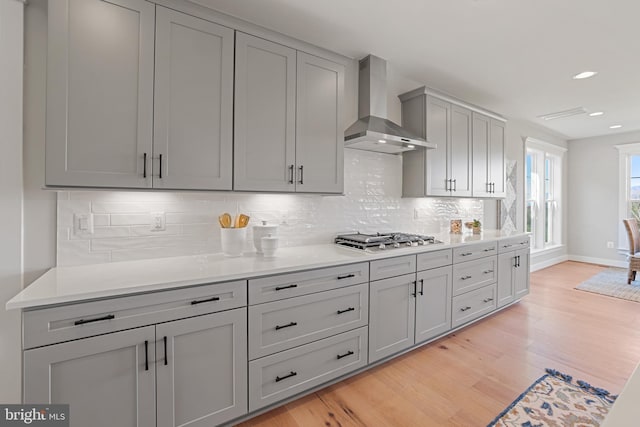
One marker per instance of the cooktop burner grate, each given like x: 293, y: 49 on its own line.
x: 383, y: 241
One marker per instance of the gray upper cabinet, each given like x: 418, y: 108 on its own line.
x: 288, y: 119
x: 99, y: 92
x: 108, y: 380
x: 193, y: 103
x: 445, y: 170
x: 319, y: 125
x: 265, y: 115
x: 488, y: 156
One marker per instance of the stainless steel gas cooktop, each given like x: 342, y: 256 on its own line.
x: 383, y: 241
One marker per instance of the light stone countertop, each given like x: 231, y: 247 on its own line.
x: 63, y: 285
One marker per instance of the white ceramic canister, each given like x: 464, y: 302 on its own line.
x: 232, y: 241
x: 260, y: 231
x: 269, y: 245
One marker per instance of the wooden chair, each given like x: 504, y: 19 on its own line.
x: 633, y: 232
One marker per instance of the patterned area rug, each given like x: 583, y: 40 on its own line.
x: 556, y: 400
x: 612, y: 282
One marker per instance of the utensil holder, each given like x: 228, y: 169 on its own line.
x: 232, y: 241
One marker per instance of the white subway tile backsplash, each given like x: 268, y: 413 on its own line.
x: 372, y: 202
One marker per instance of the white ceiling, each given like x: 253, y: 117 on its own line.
x: 515, y: 57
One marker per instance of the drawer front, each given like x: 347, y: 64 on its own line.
x: 472, y: 305
x: 435, y: 259
x: 280, y: 325
x: 475, y: 251
x: 274, y: 288
x: 513, y: 244
x: 392, y: 267
x: 64, y: 323
x: 471, y: 275
x: 285, y: 374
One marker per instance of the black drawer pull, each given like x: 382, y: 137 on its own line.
x: 279, y: 288
x: 466, y: 254
x: 346, y: 310
x: 146, y: 355
x: 465, y: 278
x: 166, y: 356
x: 487, y: 300
x: 506, y: 246
x: 490, y: 249
x: 278, y: 327
x: 97, y: 319
x: 212, y: 299
x: 292, y: 374
x: 348, y: 353
x: 487, y: 271
x: 346, y: 276
x: 465, y: 308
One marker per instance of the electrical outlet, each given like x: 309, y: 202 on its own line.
x: 158, y: 221
x: 609, y: 245
x: 83, y: 223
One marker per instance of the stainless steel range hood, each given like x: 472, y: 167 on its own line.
x: 373, y: 131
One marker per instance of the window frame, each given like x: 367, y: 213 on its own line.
x: 625, y: 152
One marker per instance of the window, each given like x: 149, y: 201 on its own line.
x: 543, y: 187
x: 629, y: 192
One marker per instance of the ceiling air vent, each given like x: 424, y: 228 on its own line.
x: 566, y: 113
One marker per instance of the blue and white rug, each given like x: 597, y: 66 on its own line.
x: 612, y: 282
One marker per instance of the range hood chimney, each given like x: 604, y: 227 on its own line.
x: 373, y: 131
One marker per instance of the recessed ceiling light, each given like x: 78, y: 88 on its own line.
x: 596, y: 113
x: 382, y: 141
x: 615, y: 126
x: 585, y: 75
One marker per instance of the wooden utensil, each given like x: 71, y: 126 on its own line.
x: 225, y: 220
x: 241, y: 221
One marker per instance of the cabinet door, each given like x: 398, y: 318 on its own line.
x: 99, y: 93
x: 433, y: 303
x: 521, y: 276
x: 497, y: 169
x: 202, y: 369
x: 107, y: 380
x: 438, y: 174
x: 192, y: 144
x: 391, y: 316
x: 319, y: 125
x: 460, y: 152
x: 481, y: 177
x: 265, y: 115
x: 506, y: 275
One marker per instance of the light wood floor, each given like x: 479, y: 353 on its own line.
x: 468, y: 377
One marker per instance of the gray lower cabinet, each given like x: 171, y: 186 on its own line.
x: 521, y: 285
x: 433, y: 308
x: 195, y: 368
x: 472, y: 305
x: 392, y: 315
x: 513, y: 271
x: 108, y: 380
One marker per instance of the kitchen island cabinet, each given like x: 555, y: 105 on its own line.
x: 513, y: 270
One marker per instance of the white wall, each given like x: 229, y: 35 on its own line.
x: 593, y: 198
x: 11, y: 42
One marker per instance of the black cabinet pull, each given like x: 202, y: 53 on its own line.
x: 489, y: 249
x: 97, y: 319
x: 301, y: 174
x: 447, y: 185
x: 166, y: 356
x: 348, y: 353
x: 291, y: 174
x: 346, y: 276
x: 292, y: 374
x: 517, y: 259
x: 421, y: 286
x: 279, y: 288
x: 146, y: 355
x: 160, y: 171
x: 346, y: 310
x: 415, y: 288
x: 465, y: 308
x: 466, y: 254
x: 194, y: 302
x: 455, y: 185
x: 487, y: 271
x: 487, y: 300
x: 278, y: 327
x: 144, y: 165
x: 465, y: 278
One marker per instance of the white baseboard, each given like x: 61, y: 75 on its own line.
x: 600, y: 261
x: 548, y: 263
